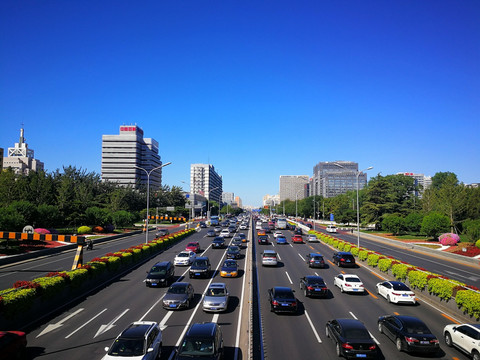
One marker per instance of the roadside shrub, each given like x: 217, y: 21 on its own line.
x: 363, y: 255
x: 347, y: 247
x: 384, y: 264
x: 18, y: 301
x: 418, y: 279
x: 341, y: 246
x: 335, y: 244
x: 78, y: 277
x: 51, y: 286
x: 84, y: 230
x: 469, y: 302
x: 400, y: 271
x: 372, y: 259
x: 354, y: 250
x: 449, y: 239
x: 98, y: 229
x: 477, y: 244
x: 443, y: 288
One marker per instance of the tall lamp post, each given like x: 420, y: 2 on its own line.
x: 192, y: 202
x: 148, y: 193
x: 358, y: 207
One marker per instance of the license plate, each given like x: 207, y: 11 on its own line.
x: 197, y: 274
x: 404, y: 295
x: 213, y: 308
x: 355, y: 289
x: 173, y: 305
x: 153, y: 284
x: 228, y: 274
x: 361, y: 355
x: 424, y: 342
x: 284, y: 304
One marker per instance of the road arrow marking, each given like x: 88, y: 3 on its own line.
x: 111, y: 324
x: 51, y: 327
x: 88, y: 322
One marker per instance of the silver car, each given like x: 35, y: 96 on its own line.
x: 179, y: 295
x: 216, y: 298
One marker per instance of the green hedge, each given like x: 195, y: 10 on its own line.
x: 384, y: 264
x: 418, y: 279
x: 373, y: 259
x: 469, y: 302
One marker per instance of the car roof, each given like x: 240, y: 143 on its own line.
x: 344, y: 253
x: 201, y: 330
x: 162, y: 263
x: 315, y: 254
x: 218, y: 285
x: 407, y: 319
x: 313, y: 277
x: 351, y: 323
x: 180, y: 284
x: 202, y: 258
x: 136, y: 330
x: 350, y: 275
x: 282, y: 289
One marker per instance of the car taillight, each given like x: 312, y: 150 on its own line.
x: 396, y: 294
x: 372, y: 347
x: 361, y: 285
x: 310, y: 288
x: 347, y: 284
x: 347, y: 346
x: 274, y: 302
x: 411, y: 339
x: 434, y: 341
x: 342, y: 259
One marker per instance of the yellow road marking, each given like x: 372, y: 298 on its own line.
x: 451, y: 319
x: 330, y: 262
x: 371, y: 294
x: 381, y: 278
x: 396, y: 313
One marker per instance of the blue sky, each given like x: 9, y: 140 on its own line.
x: 257, y: 88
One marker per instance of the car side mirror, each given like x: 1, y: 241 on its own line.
x: 106, y: 348
x: 149, y: 350
x: 454, y: 328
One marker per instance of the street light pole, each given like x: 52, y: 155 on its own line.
x: 148, y: 193
x: 358, y: 208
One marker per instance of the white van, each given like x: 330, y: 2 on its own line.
x: 269, y: 257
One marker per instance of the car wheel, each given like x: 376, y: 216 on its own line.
x: 341, y: 288
x: 380, y: 328
x: 338, y: 351
x: 378, y: 291
x: 388, y: 299
x: 187, y: 304
x: 326, y: 332
x: 399, y: 345
x: 448, y: 339
x: 305, y: 292
x: 476, y: 356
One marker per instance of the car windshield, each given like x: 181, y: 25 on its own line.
x: 400, y: 286
x: 315, y: 282
x: 416, y: 328
x: 356, y: 334
x: 177, y: 290
x: 283, y: 294
x: 201, y: 263
x: 183, y: 255
x: 157, y: 270
x: 216, y: 292
x: 232, y: 248
x: 317, y: 257
x: 230, y: 264
x: 352, y: 279
x: 192, y: 245
x: 127, y: 347
x: 196, y: 347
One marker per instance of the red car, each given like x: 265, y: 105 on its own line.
x: 12, y: 345
x: 297, y: 239
x: 193, y: 246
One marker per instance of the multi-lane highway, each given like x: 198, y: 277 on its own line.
x: 90, y: 324
x: 87, y: 328
x: 303, y: 335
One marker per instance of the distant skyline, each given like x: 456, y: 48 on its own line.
x: 257, y: 89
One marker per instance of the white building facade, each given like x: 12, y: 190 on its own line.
x: 293, y: 187
x: 204, y: 180
x: 122, y: 155
x: 22, y: 159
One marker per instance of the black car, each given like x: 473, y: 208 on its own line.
x: 202, y: 224
x: 237, y: 241
x: 161, y: 274
x: 282, y: 299
x: 297, y: 231
x: 344, y: 259
x: 233, y: 252
x: 211, y: 233
x: 201, y: 341
x: 409, y: 333
x: 218, y: 242
x: 262, y: 239
x: 315, y: 260
x: 161, y: 232
x: 200, y: 268
x: 351, y: 338
x: 313, y: 286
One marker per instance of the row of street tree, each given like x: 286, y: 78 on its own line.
x: 392, y: 203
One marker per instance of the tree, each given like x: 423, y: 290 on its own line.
x: 97, y: 216
x: 413, y: 222
x: 122, y: 218
x: 48, y: 216
x: 393, y: 223
x: 434, y: 224
x: 439, y: 179
x: 471, y: 228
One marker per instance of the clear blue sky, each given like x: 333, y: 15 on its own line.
x: 257, y: 88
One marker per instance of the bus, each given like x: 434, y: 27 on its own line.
x: 281, y: 224
x: 214, y: 220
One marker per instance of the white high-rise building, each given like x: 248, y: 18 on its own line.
x: 334, y: 178
x: 420, y: 180
x: 121, y: 153
x: 271, y: 200
x: 22, y: 159
x: 293, y: 187
x: 205, y: 181
x: 228, y: 198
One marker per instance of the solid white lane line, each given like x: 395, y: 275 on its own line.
x: 279, y: 258
x: 240, y: 312
x: 165, y: 319
x: 313, y: 327
x: 301, y: 257
x: 151, y: 308
x: 376, y: 341
x: 101, y: 312
x: 289, y: 278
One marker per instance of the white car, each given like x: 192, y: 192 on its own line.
x: 225, y: 233
x: 276, y: 233
x: 312, y: 238
x: 349, y: 283
x: 331, y: 229
x: 184, y: 258
x: 465, y: 337
x: 243, y: 227
x: 396, y: 292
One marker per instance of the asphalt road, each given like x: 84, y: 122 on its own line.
x: 87, y: 328
x: 303, y: 335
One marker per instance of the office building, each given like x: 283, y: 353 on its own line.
x: 20, y: 158
x: 238, y: 200
x: 293, y: 187
x: 271, y: 200
x: 421, y: 182
x: 334, y: 178
x: 205, y: 181
x: 228, y: 198
x: 122, y: 155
